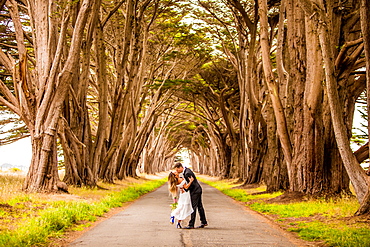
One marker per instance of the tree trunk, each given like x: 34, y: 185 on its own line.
x: 76, y: 129
x: 41, y: 90
x: 275, y: 174
x: 295, y: 61
x: 325, y: 27
x: 41, y: 177
x: 273, y: 89
x: 365, y: 27
x: 103, y: 92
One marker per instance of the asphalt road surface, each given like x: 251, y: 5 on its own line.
x: 146, y: 223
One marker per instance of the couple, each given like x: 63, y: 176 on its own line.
x: 182, y: 181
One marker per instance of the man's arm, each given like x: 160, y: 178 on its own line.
x: 187, y: 174
x: 187, y: 185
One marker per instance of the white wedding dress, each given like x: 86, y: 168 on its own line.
x: 184, y: 208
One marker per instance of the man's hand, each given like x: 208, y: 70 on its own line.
x: 182, y: 190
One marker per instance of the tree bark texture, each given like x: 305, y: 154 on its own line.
x: 326, y: 27
x: 270, y: 79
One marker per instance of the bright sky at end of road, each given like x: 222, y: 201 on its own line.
x: 18, y: 153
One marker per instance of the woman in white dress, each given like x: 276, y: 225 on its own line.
x: 176, y: 186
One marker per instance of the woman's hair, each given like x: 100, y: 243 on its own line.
x: 172, y: 182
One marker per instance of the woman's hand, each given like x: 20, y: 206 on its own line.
x: 191, y: 179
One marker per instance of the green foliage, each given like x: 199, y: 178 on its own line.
x: 54, y: 220
x: 360, y: 135
x: 12, y: 128
x: 178, y: 159
x: 168, y: 84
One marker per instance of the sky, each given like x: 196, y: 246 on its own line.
x: 17, y: 154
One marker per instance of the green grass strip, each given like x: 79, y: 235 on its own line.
x: 238, y: 194
x: 332, y: 230
x: 328, y: 209
x: 53, y: 221
x: 333, y: 234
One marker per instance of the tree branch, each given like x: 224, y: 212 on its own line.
x: 111, y: 13
x: 10, y: 106
x: 8, y: 94
x: 362, y: 153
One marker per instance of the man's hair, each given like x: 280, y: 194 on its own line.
x: 177, y: 165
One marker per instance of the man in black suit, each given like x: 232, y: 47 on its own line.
x: 195, y: 195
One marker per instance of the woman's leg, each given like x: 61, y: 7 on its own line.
x: 178, y: 224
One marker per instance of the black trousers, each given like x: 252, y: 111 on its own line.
x: 196, y: 203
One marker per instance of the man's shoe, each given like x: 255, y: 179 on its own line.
x: 202, y: 225
x: 189, y: 227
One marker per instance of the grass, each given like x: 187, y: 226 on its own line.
x: 334, y: 234
x: 243, y: 195
x: 329, y: 209
x: 32, y: 219
x: 10, y: 185
x: 327, y: 221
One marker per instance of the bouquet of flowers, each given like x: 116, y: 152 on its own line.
x: 174, y: 204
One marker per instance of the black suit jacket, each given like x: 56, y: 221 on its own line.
x: 195, y: 186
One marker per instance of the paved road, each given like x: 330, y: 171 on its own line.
x: 146, y: 223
